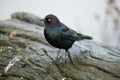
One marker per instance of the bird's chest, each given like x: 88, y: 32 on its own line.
x: 51, y: 34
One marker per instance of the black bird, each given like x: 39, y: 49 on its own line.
x: 59, y: 35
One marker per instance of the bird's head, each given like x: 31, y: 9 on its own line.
x: 51, y: 20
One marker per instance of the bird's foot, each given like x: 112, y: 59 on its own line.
x: 61, y: 59
x: 57, y: 60
x: 64, y: 60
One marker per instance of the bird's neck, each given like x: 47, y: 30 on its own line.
x: 52, y: 25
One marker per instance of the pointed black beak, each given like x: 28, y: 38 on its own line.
x: 42, y: 19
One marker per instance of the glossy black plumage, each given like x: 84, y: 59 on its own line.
x: 59, y: 35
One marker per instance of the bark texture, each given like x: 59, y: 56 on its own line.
x: 26, y: 55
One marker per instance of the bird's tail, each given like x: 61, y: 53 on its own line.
x: 84, y: 37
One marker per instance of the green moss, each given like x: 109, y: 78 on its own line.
x: 14, y: 16
x: 5, y: 42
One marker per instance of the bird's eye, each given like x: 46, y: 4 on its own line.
x: 49, y: 20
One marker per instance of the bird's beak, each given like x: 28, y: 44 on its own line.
x: 42, y: 19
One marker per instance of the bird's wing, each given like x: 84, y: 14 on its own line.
x: 67, y: 33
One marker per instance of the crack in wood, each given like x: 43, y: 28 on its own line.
x: 101, y: 69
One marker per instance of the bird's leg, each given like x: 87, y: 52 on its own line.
x: 58, y: 54
x: 65, y: 58
x: 69, y: 57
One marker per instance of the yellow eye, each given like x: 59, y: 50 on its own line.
x: 49, y: 19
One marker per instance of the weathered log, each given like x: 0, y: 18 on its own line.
x: 27, y: 17
x: 26, y: 55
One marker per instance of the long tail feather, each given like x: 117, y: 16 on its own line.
x: 84, y: 37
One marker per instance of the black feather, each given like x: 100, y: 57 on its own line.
x: 59, y: 35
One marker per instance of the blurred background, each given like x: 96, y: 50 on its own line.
x: 97, y: 18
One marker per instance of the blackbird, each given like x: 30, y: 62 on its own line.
x: 59, y: 35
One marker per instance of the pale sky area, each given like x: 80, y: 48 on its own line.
x: 76, y: 14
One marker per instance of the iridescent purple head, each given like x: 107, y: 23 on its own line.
x: 51, y: 20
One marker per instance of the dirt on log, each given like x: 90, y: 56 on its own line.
x: 26, y: 55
